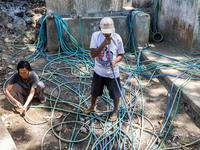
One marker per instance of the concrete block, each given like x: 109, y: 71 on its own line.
x: 52, y: 35
x: 141, y: 25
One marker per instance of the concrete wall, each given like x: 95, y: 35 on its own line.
x: 88, y: 26
x: 179, y: 23
x: 142, y: 3
x: 87, y: 8
x: 92, y: 12
x: 91, y: 24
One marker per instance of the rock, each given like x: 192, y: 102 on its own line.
x: 21, y: 29
x: 3, y: 16
x: 29, y: 20
x: 2, y: 68
x: 83, y: 130
x: 59, y: 116
x: 46, y: 144
x: 31, y: 37
x: 7, y: 40
x: 30, y: 13
x: 7, y: 63
x: 169, y: 141
x: 25, y: 5
x: 13, y: 62
x: 19, y: 14
x: 10, y: 66
x: 10, y: 26
x: 81, y: 119
x: 58, y: 128
x: 41, y: 10
x: 12, y: 31
x: 173, y: 144
x: 87, y: 118
x: 10, y: 73
x: 10, y: 19
x: 20, y: 23
x: 37, y: 17
x: 25, y: 41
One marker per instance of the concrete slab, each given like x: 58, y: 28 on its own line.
x: 6, y: 141
x: 190, y: 93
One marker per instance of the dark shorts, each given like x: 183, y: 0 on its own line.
x: 98, y: 83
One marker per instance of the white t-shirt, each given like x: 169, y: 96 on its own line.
x: 102, y: 62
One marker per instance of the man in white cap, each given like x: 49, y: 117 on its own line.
x: 104, y: 41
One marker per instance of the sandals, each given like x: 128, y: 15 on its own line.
x: 87, y: 111
x: 112, y: 119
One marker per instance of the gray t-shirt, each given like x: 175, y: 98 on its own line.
x: 27, y: 84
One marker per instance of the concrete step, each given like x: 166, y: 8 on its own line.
x: 6, y: 141
x: 190, y: 93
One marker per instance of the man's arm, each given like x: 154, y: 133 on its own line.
x: 7, y: 93
x: 96, y: 51
x: 118, y: 59
x: 29, y: 99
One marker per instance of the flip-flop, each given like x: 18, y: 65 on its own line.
x: 88, y: 111
x: 112, y: 119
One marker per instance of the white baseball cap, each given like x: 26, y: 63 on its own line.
x: 107, y: 25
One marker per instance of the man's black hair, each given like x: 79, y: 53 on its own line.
x: 24, y: 64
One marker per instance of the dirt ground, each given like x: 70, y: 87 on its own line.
x: 32, y: 131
